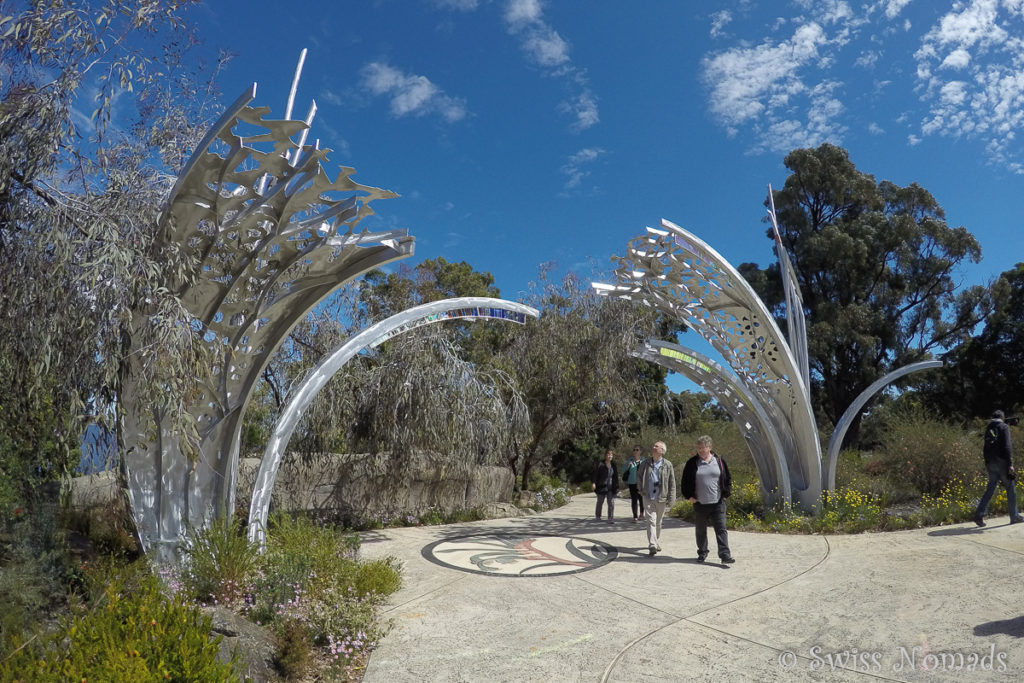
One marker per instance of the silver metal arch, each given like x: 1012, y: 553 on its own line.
x: 272, y: 236
x: 677, y: 272
x: 836, y: 442
x: 754, y: 423
x: 461, y: 308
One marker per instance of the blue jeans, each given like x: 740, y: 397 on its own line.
x: 998, y: 471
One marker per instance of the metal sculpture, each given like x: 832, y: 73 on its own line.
x: 272, y: 236
x: 836, y: 442
x: 676, y: 272
x: 750, y: 416
x: 463, y: 308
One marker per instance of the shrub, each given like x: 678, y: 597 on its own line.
x: 929, y: 455
x: 294, y: 649
x: 549, y: 498
x: 131, y: 632
x: 219, y: 562
x: 312, y: 589
x: 847, y: 511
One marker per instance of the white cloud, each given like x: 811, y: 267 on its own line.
x: 544, y: 47
x: 957, y: 59
x: 520, y: 13
x: 718, y: 22
x: 875, y: 129
x: 574, y: 169
x: 458, y: 5
x: 584, y: 108
x: 894, y: 7
x: 411, y: 94
x: 981, y: 42
x: 867, y: 59
x: 745, y: 81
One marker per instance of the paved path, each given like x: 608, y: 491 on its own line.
x: 944, y: 598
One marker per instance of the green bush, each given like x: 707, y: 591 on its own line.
x: 131, y: 632
x: 219, y: 562
x: 37, y: 572
x: 929, y: 455
x: 311, y: 574
x: 294, y: 654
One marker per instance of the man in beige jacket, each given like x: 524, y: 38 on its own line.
x: 657, y: 483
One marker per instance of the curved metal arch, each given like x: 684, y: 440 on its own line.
x: 271, y: 239
x: 754, y: 423
x: 461, y: 308
x: 678, y: 273
x: 836, y: 442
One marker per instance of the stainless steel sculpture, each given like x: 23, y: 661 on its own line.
x: 676, y: 272
x: 272, y: 236
x: 835, y: 444
x: 462, y: 308
x: 750, y: 416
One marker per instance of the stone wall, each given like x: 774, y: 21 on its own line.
x: 354, y: 487
x: 358, y: 486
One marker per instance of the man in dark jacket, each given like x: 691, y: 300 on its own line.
x: 706, y: 483
x: 999, y: 463
x: 606, y: 485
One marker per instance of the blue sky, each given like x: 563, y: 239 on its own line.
x: 520, y: 131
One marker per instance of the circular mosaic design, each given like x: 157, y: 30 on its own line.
x: 520, y: 554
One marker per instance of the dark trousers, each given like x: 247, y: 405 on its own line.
x: 635, y: 500
x: 715, y: 514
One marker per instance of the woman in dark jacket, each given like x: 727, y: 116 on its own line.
x: 606, y: 485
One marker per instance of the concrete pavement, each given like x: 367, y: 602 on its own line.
x: 489, y: 601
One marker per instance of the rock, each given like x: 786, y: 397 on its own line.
x: 500, y: 510
x: 255, y: 645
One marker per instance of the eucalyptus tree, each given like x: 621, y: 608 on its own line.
x: 420, y: 392
x: 574, y: 368
x: 79, y: 196
x: 877, y: 266
x: 985, y: 372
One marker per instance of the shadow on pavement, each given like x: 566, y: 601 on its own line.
x: 1011, y: 627
x: 965, y: 531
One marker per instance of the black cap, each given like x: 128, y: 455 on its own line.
x: 998, y: 415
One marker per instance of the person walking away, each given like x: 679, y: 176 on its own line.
x: 706, y: 483
x: 998, y: 453
x: 629, y: 473
x: 606, y: 485
x: 657, y: 482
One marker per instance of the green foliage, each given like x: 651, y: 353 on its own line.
x: 37, y: 573
x: 574, y: 369
x: 38, y: 436
x: 219, y: 562
x: 77, y: 214
x: 294, y: 654
x: 549, y: 497
x: 876, y: 265
x: 985, y: 372
x: 929, y: 473
x: 131, y: 632
x: 929, y: 455
x: 311, y: 574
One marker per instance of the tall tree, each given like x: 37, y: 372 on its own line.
x: 78, y: 209
x: 876, y: 264
x: 574, y: 368
x: 985, y: 373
